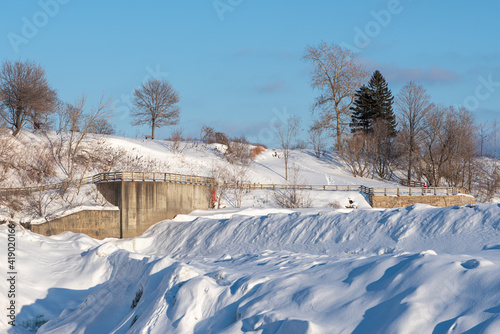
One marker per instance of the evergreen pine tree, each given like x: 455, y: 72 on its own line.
x: 373, y: 102
x: 362, y: 111
x: 382, y: 101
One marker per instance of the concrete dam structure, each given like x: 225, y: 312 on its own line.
x: 143, y: 199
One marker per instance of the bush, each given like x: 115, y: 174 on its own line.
x: 176, y: 138
x: 293, y: 197
x: 207, y: 134
x: 335, y: 205
x: 238, y: 152
x: 256, y: 151
x: 221, y: 138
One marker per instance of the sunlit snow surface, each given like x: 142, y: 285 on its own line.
x: 413, y: 270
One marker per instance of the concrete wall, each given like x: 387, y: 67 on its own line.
x: 143, y: 204
x: 97, y: 224
x: 403, y: 201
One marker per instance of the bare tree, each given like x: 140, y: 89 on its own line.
x: 491, y: 177
x: 460, y: 168
x: 39, y: 202
x: 413, y: 104
x: 337, y: 75
x: 239, y: 176
x: 482, y: 135
x: 317, y: 137
x: 354, y: 153
x: 207, y: 134
x: 296, y: 131
x: 382, y: 149
x: 285, y: 133
x: 72, y: 150
x: 221, y: 138
x: 221, y: 174
x: 238, y: 152
x: 25, y: 94
x: 435, y: 144
x: 102, y: 126
x: 175, y: 140
x: 230, y: 180
x: 293, y: 196
x: 61, y: 117
x: 107, y: 158
x: 7, y: 155
x: 155, y: 105
x: 448, y: 146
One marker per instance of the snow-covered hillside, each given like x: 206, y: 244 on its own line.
x: 42, y: 155
x: 258, y: 269
x: 267, y: 167
x: 414, y: 270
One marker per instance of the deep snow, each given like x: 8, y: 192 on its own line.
x: 413, y: 270
x: 261, y: 269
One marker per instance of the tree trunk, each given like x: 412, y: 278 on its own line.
x: 18, y: 123
x: 286, y: 169
x: 410, y: 157
x: 153, y: 132
x: 339, y: 143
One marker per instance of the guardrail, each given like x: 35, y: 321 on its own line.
x: 153, y: 176
x: 319, y: 187
x: 416, y: 191
x: 409, y: 183
x: 113, y: 177
x: 375, y: 191
x: 201, y: 180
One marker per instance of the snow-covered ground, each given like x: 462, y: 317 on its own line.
x: 267, y: 167
x: 259, y: 268
x: 419, y: 269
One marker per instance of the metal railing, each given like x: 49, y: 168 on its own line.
x: 319, y: 187
x: 416, y: 191
x: 113, y: 177
x: 374, y: 191
x: 409, y: 183
x: 201, y: 180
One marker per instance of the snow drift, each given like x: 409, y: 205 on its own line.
x: 413, y: 270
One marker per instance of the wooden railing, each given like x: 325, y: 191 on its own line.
x: 201, y: 180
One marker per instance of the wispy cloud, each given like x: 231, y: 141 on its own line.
x: 397, y: 74
x: 272, y: 86
x: 282, y: 54
x: 244, y: 52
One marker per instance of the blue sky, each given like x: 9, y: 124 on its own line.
x: 237, y: 63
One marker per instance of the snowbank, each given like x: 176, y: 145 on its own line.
x: 416, y: 270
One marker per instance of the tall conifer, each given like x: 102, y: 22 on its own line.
x: 373, y: 102
x: 362, y: 111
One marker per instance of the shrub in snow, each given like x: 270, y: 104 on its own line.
x: 335, y: 205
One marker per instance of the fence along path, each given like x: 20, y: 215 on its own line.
x: 375, y: 191
x: 113, y: 177
x: 201, y: 180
